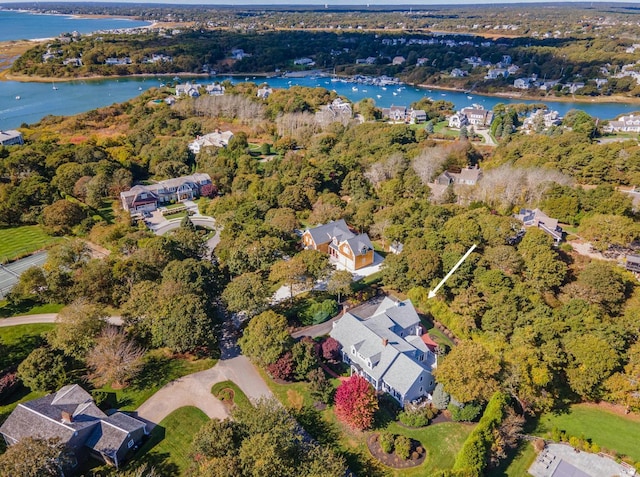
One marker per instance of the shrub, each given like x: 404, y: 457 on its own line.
x: 473, y: 455
x: 402, y: 445
x: 386, y: 441
x: 282, y: 368
x: 466, y: 413
x: 419, y: 417
x: 318, y: 312
x: 331, y: 349
x: 440, y: 397
x: 8, y: 383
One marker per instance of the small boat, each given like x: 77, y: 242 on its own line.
x: 469, y: 97
x: 443, y: 94
x: 139, y: 88
x: 354, y: 88
x: 378, y: 96
x: 364, y: 91
x: 395, y: 94
x: 384, y: 88
x: 175, y: 78
x: 247, y: 78
x: 53, y: 86
x: 162, y: 85
x: 18, y: 97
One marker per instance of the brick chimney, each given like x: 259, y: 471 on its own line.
x: 66, y: 417
x: 385, y: 341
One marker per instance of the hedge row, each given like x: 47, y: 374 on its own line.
x: 473, y: 456
x: 440, y: 312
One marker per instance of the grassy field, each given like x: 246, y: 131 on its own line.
x: 170, y: 443
x: 517, y: 464
x: 20, y: 340
x: 608, y: 430
x: 17, y: 242
x: 442, y: 441
x: 27, y: 308
x: 239, y: 398
x: 160, y: 368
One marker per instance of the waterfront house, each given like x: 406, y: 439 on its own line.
x: 188, y: 89
x: 522, y: 83
x: 387, y: 349
x: 72, y: 416
x: 537, y: 218
x: 215, y: 89
x: 10, y: 138
x: 215, y: 139
x: 398, y: 60
x: 478, y: 116
x: 395, y: 113
x: 495, y: 73
x: 417, y: 116
x: 353, y: 251
x: 147, y: 198
x: 629, y: 123
x: 264, y: 92
x: 458, y: 73
x: 457, y: 121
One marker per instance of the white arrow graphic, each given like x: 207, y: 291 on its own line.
x: 433, y: 292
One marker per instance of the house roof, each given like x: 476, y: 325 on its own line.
x: 392, y: 357
x: 325, y: 233
x: 112, y: 432
x: 360, y: 244
x: 43, y: 417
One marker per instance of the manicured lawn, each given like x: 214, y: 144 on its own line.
x: 239, y: 398
x: 176, y: 215
x: 20, y: 340
x: 160, y: 368
x: 517, y: 463
x: 27, y: 308
x: 170, y: 442
x: 18, y: 242
x: 442, y: 441
x: 608, y: 430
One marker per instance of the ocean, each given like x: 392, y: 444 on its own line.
x: 26, y: 26
x: 23, y: 102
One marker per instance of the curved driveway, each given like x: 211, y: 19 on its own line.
x: 198, y: 220
x: 191, y: 390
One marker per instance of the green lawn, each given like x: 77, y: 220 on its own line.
x: 239, y: 398
x: 20, y: 340
x: 27, y: 308
x: 176, y: 215
x: 160, y: 368
x: 608, y: 430
x: 16, y: 242
x: 170, y: 442
x: 517, y: 463
x: 442, y: 441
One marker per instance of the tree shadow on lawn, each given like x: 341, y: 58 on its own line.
x: 312, y: 422
x: 17, y: 352
x: 157, y: 460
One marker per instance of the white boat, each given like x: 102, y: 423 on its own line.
x: 139, y: 88
x: 17, y: 97
x: 54, y: 87
x: 384, y: 88
x: 354, y: 88
x: 395, y: 94
x: 469, y: 97
x: 378, y: 96
x: 364, y: 91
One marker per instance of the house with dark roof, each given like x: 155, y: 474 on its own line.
x: 388, y: 350
x: 10, y: 138
x: 146, y: 198
x: 72, y: 416
x: 354, y: 251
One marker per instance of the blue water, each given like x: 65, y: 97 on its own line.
x: 37, y: 100
x: 40, y: 99
x: 25, y: 26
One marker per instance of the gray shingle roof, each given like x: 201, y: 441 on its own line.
x: 324, y: 233
x: 392, y: 357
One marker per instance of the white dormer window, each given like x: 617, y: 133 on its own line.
x: 353, y: 350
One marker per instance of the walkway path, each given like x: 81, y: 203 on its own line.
x: 45, y: 318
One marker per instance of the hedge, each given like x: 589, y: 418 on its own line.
x: 472, y: 457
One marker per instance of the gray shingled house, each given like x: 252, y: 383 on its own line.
x: 72, y: 415
x: 388, y: 350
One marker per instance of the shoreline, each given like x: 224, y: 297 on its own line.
x: 546, y: 99
x: 5, y: 75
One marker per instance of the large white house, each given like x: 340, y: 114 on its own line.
x: 389, y: 350
x: 629, y: 123
x: 215, y: 139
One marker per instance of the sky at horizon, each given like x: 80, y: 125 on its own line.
x: 329, y: 3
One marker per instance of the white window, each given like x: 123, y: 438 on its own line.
x: 130, y: 443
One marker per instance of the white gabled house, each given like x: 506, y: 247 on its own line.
x: 389, y: 350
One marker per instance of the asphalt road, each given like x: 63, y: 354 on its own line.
x: 9, y: 273
x: 45, y: 318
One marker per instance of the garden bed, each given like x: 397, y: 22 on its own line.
x: 392, y: 460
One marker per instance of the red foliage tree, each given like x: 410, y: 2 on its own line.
x: 356, y: 402
x: 330, y: 349
x: 282, y: 368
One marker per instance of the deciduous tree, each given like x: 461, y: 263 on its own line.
x: 34, y: 457
x: 356, y: 402
x: 266, y: 338
x: 115, y: 359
